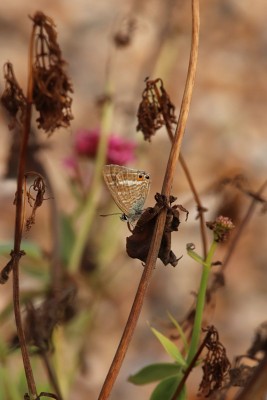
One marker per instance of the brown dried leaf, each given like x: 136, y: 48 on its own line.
x: 138, y: 244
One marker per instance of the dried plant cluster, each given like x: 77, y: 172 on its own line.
x: 51, y: 85
x: 216, y: 365
x: 155, y: 109
x: 49, y: 92
x: 13, y: 98
x: 138, y: 244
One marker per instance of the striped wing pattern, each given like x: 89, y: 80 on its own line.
x: 129, y: 189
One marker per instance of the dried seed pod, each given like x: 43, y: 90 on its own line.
x: 51, y: 84
x: 13, y: 98
x: 155, y: 109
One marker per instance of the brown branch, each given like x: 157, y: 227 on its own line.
x: 52, y: 377
x: 175, y: 150
x: 19, y: 227
x: 191, y: 366
x: 200, y: 207
x: 158, y: 231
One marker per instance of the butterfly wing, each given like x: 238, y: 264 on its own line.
x: 132, y: 189
x: 110, y: 173
x: 128, y: 187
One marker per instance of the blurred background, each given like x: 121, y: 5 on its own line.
x: 117, y: 44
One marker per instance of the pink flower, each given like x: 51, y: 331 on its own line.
x: 120, y: 150
x: 71, y: 164
x: 86, y: 142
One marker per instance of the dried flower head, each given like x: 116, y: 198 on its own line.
x: 40, y: 322
x: 221, y: 228
x: 216, y: 365
x: 13, y: 98
x: 155, y: 109
x: 51, y: 85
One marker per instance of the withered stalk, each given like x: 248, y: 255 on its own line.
x: 159, y: 228
x: 185, y: 168
x: 190, y: 367
x: 200, y: 208
x: 19, y: 225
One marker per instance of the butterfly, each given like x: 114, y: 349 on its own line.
x: 129, y: 189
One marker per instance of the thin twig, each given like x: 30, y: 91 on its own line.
x: 185, y: 168
x: 191, y: 366
x: 52, y: 377
x: 19, y: 226
x: 200, y: 207
x: 160, y: 223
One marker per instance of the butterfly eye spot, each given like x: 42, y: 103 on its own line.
x: 143, y: 176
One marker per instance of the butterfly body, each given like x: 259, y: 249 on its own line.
x: 129, y: 189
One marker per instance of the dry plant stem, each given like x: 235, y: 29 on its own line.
x: 175, y: 150
x: 242, y: 226
x: 200, y: 207
x: 158, y: 231
x: 190, y: 181
x: 52, y: 377
x: 135, y: 310
x: 18, y: 229
x: 56, y: 270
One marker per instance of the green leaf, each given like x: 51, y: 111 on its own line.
x: 154, y: 372
x: 196, y: 257
x: 31, y: 249
x: 67, y: 238
x: 9, y: 388
x: 180, y: 331
x: 165, y: 389
x: 170, y: 347
x: 38, y: 271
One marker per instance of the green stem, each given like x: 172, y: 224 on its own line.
x: 94, y: 194
x: 201, y: 303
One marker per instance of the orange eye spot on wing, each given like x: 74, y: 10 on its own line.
x: 140, y: 177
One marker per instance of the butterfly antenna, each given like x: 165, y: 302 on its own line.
x: 107, y: 215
